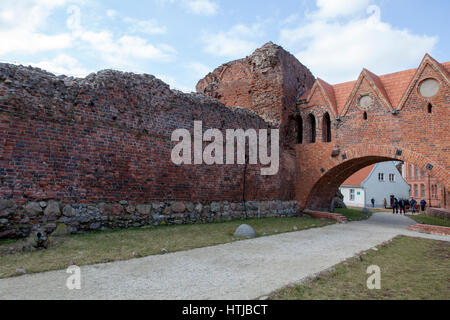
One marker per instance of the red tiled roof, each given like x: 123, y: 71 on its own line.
x: 357, y: 178
x: 329, y: 92
x: 392, y: 86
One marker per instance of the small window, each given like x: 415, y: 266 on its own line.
x: 416, y: 191
x: 416, y: 172
x: 430, y: 108
x: 422, y: 190
x: 365, y: 115
x: 392, y: 177
x: 410, y: 190
x: 352, y: 194
x: 410, y: 171
x: 381, y: 177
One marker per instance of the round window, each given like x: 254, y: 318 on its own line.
x: 365, y: 102
x: 429, y: 88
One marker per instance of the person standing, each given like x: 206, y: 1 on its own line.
x: 413, y: 205
x: 402, y: 205
x: 373, y: 202
x: 423, y: 205
x: 395, y: 206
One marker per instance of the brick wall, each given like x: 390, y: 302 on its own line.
x: 404, y: 131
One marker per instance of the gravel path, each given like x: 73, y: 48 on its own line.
x: 240, y: 270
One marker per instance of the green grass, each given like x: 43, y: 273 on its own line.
x: 353, y: 214
x: 100, y: 247
x: 422, y: 219
x: 411, y: 268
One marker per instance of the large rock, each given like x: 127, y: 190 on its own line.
x: 52, y: 209
x: 245, y: 231
x: 178, y: 207
x: 33, y: 209
x: 7, y: 208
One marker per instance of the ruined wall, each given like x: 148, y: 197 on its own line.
x: 105, y: 139
x: 267, y: 82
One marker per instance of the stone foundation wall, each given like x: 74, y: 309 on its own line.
x: 17, y: 221
x: 438, y: 213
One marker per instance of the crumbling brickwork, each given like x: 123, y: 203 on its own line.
x: 106, y: 139
x: 267, y: 82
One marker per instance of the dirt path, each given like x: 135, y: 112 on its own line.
x: 241, y: 270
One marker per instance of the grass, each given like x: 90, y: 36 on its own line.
x: 353, y: 214
x: 411, y: 268
x: 100, y: 247
x: 422, y: 219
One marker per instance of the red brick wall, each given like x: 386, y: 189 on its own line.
x: 107, y: 138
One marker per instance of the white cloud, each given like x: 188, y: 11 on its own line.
x: 198, y: 69
x: 237, y: 42
x: 63, y: 64
x: 117, y: 52
x: 112, y: 13
x: 173, y: 83
x: 337, y: 49
x: 150, y: 26
x: 336, y: 8
x: 201, y: 7
x: 21, y: 24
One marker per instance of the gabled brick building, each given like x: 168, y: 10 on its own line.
x: 345, y: 127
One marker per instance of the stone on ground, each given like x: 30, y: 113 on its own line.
x: 245, y: 230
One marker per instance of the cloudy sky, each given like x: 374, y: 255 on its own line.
x: 180, y: 41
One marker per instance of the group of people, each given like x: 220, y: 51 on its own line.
x: 401, y: 204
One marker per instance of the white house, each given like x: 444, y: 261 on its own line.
x: 379, y: 182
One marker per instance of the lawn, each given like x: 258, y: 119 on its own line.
x: 100, y: 247
x: 353, y: 214
x: 422, y: 219
x: 411, y: 268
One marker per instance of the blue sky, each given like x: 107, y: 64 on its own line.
x: 180, y: 41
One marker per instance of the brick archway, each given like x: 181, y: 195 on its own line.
x: 319, y: 176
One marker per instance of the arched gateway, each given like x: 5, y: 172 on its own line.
x: 377, y: 118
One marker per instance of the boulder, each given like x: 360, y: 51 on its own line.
x: 33, y: 209
x: 366, y: 211
x: 68, y: 211
x: 245, y: 231
x: 178, y: 207
x: 52, y: 209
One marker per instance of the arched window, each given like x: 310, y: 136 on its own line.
x: 299, y: 130
x: 430, y: 108
x: 326, y: 128
x: 312, y: 123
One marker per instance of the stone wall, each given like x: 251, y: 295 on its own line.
x: 107, y: 138
x: 438, y: 213
x: 19, y: 221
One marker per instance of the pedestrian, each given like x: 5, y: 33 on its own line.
x: 373, y: 202
x: 402, y: 205
x: 423, y: 204
x: 413, y: 205
x: 395, y: 206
